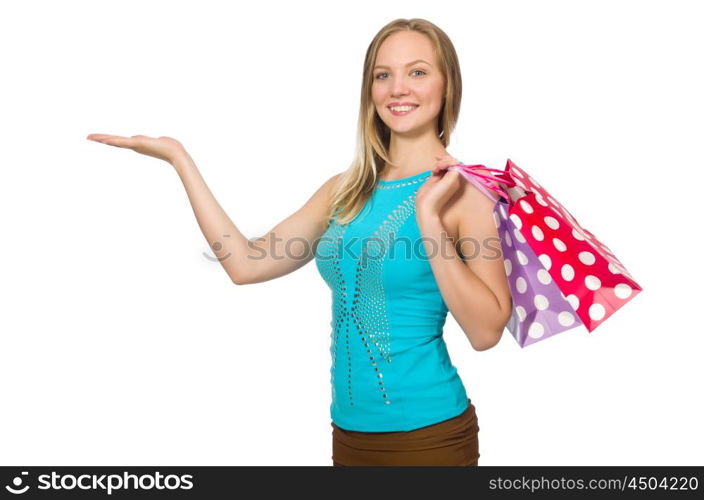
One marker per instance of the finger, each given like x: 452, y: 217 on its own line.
x: 123, y: 142
x: 444, y: 161
x: 448, y: 161
x: 449, y: 176
x: 99, y: 137
x: 440, y: 167
x: 118, y: 141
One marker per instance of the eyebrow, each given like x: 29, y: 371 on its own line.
x: 409, y: 64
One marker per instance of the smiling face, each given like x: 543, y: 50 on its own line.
x: 406, y: 72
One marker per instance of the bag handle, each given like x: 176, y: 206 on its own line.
x: 482, y: 180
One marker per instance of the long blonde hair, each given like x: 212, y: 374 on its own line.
x: 356, y: 184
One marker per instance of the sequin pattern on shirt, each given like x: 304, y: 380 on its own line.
x: 363, y: 329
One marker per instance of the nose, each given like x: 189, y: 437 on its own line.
x: 400, y: 92
x: 399, y: 88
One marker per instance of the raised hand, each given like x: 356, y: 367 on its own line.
x: 163, y: 148
x: 434, y: 194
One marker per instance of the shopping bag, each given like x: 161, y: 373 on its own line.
x: 560, y: 275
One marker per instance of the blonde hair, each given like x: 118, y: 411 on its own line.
x: 355, y: 185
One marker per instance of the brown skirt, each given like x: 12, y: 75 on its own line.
x: 450, y: 442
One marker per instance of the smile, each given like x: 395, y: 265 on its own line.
x: 402, y: 110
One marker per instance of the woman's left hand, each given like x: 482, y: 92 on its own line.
x: 434, y: 194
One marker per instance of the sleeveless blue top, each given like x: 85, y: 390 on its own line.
x: 391, y: 370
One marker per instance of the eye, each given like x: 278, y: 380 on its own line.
x: 385, y: 73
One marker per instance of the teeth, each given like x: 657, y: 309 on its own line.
x: 404, y: 108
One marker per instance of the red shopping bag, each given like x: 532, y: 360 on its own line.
x: 550, y: 259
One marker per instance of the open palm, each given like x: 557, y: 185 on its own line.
x: 164, y: 148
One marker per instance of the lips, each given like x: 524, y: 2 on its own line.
x: 393, y: 104
x: 402, y: 113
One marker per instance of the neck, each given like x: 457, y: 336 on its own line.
x: 411, y: 155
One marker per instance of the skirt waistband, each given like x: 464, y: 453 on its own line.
x: 450, y: 442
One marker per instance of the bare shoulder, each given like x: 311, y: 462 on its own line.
x: 325, y: 191
x: 333, y: 182
x: 319, y: 202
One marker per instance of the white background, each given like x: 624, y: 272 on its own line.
x: 122, y: 343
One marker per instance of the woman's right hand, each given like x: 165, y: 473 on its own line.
x: 164, y: 148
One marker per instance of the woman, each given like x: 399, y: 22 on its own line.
x: 396, y: 397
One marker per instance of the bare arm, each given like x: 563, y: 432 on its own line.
x: 284, y: 249
x: 290, y: 245
x: 476, y: 290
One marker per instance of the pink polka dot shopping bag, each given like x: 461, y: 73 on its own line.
x: 560, y: 275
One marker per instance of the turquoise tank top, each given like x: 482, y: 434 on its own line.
x: 391, y: 370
